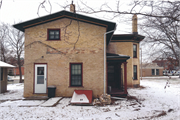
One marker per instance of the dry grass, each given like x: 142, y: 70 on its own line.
x: 161, y: 114
x: 170, y: 110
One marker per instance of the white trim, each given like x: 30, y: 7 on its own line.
x: 41, y: 88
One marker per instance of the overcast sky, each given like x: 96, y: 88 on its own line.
x: 14, y: 11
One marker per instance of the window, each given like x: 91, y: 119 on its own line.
x: 157, y: 71
x: 76, y: 74
x: 1, y: 74
x: 153, y: 71
x: 134, y: 51
x: 53, y: 34
x: 135, y: 72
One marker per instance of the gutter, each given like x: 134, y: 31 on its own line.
x: 105, y: 58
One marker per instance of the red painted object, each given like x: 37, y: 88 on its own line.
x: 88, y: 94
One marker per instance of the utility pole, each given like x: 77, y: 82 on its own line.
x: 141, y: 63
x: 179, y: 59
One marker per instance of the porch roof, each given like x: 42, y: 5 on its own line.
x: 117, y: 57
x: 127, y: 38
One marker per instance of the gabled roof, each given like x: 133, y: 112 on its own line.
x: 66, y: 14
x: 127, y: 38
x: 5, y: 65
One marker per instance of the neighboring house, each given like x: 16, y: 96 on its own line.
x: 151, y: 69
x: 3, y: 76
x: 15, y: 71
x: 168, y: 64
x: 66, y: 49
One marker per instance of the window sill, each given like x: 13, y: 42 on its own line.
x: 54, y: 40
x: 135, y: 79
x: 76, y: 86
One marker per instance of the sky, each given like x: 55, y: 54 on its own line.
x: 15, y: 11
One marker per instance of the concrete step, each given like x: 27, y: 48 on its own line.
x: 51, y: 102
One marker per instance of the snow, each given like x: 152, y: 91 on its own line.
x: 3, y: 64
x: 152, y: 101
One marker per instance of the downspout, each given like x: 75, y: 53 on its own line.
x: 105, y: 58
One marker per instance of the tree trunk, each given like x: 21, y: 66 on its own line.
x: 20, y: 73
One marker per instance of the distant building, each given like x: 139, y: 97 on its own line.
x: 151, y: 69
x: 168, y: 64
x: 15, y: 71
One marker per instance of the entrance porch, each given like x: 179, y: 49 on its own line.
x: 116, y: 75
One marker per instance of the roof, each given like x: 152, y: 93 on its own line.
x: 127, y: 38
x: 151, y: 65
x: 117, y: 57
x: 66, y: 14
x: 5, y: 65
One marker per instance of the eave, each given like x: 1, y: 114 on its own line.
x: 111, y: 57
x: 127, y: 38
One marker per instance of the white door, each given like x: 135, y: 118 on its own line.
x: 40, y: 78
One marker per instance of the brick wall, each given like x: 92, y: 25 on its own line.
x: 58, y: 54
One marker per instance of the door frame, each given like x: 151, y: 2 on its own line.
x: 117, y: 65
x: 35, y: 76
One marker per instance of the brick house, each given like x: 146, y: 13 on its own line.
x: 15, y: 71
x: 168, y: 63
x: 66, y: 50
x: 151, y: 69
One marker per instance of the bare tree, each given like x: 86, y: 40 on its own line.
x: 15, y: 38
x: 163, y: 33
x: 5, y: 52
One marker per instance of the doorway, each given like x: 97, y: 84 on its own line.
x: 40, y: 78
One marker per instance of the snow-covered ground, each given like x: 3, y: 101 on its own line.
x: 152, y: 101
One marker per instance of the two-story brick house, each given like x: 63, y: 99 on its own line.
x: 66, y: 49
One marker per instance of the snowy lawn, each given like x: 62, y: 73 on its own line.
x: 151, y: 101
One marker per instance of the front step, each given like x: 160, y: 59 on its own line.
x: 51, y: 102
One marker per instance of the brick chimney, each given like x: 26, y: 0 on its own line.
x: 72, y: 7
x: 134, y: 24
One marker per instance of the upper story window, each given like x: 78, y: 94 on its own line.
x: 53, y: 34
x: 134, y: 51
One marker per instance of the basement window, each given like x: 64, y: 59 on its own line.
x: 53, y: 34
